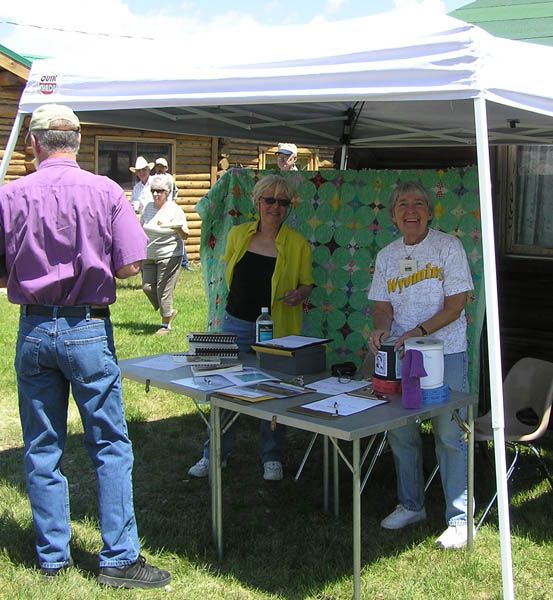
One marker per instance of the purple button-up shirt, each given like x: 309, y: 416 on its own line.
x: 63, y: 234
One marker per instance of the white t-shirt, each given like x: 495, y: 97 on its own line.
x: 441, y: 270
x: 141, y: 195
x: 159, y: 225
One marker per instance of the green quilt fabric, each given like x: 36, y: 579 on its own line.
x: 344, y: 215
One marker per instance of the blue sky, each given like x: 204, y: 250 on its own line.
x: 206, y: 27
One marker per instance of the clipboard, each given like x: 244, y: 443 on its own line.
x: 341, y: 405
x: 369, y: 393
x: 304, y: 410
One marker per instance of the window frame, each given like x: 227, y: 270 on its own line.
x: 311, y: 156
x: 171, y: 142
x: 506, y: 175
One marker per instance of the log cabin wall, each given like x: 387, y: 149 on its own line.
x: 194, y: 172
x: 11, y: 86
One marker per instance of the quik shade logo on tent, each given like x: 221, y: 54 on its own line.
x: 48, y: 84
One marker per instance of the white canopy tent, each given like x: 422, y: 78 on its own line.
x: 398, y: 79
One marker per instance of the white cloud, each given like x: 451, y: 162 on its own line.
x: 333, y: 6
x: 436, y: 5
x: 184, y: 37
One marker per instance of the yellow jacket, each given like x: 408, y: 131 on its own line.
x: 292, y: 268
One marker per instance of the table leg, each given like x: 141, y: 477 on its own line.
x: 216, y: 482
x: 470, y: 478
x: 325, y: 473
x: 356, y: 520
x: 336, y: 473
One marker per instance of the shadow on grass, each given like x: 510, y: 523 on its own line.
x: 277, y: 537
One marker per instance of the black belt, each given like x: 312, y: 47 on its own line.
x: 64, y: 311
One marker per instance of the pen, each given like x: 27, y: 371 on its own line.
x: 336, y: 413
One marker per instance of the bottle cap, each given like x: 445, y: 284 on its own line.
x: 264, y: 309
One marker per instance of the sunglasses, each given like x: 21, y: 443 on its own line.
x: 159, y: 191
x: 284, y: 202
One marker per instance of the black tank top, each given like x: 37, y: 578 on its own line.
x: 250, y: 288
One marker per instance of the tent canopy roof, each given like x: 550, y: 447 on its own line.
x: 373, y: 91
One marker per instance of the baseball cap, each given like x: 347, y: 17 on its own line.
x: 56, y: 117
x: 161, y: 161
x: 287, y: 149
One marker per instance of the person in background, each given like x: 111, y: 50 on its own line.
x: 165, y: 225
x: 162, y: 168
x: 65, y: 235
x: 435, y: 270
x: 141, y: 190
x: 287, y: 156
x: 267, y: 264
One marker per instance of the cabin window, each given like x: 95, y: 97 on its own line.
x: 529, y: 178
x: 308, y: 160
x: 115, y: 156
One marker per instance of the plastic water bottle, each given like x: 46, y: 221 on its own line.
x: 264, y: 326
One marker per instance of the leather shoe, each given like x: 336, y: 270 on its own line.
x: 49, y: 572
x: 136, y: 575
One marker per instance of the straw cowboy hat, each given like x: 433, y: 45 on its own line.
x: 141, y: 164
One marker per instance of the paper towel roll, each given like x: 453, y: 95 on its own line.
x: 433, y: 353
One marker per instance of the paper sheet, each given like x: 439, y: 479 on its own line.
x: 293, y: 342
x: 205, y: 383
x: 332, y: 386
x: 342, y: 405
x: 248, y: 376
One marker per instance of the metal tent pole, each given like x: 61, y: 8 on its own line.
x: 494, y: 344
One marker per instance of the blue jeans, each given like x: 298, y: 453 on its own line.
x: 451, y: 452
x: 54, y: 355
x: 271, y: 442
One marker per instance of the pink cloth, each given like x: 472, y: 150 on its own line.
x: 412, y: 369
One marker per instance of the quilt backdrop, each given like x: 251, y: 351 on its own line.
x: 344, y: 215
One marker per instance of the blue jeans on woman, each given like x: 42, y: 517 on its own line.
x: 54, y: 355
x: 451, y: 452
x: 271, y: 442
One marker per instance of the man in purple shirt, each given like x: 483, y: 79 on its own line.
x: 65, y: 234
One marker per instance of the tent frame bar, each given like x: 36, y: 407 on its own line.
x: 494, y: 341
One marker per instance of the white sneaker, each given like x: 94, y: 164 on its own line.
x: 402, y: 516
x: 455, y: 536
x: 201, y: 468
x: 272, y: 470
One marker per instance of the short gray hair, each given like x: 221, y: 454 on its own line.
x: 281, y: 187
x: 53, y: 140
x: 406, y: 187
x: 161, y: 182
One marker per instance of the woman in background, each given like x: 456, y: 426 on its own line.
x: 267, y: 264
x: 165, y: 225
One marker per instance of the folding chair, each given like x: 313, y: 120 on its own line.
x: 527, y: 398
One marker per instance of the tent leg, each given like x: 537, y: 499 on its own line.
x: 494, y: 345
x: 344, y: 157
x: 10, y: 146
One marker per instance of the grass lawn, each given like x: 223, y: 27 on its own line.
x: 278, y: 541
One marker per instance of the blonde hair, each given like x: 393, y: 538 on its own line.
x: 282, y: 187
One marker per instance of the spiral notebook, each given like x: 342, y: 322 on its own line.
x: 212, y: 344
x: 211, y: 338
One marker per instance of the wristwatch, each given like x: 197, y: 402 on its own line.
x: 423, y: 330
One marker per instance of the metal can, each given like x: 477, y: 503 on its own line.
x: 387, y: 362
